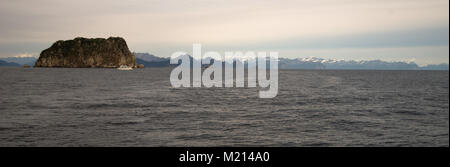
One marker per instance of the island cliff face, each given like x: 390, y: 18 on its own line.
x: 87, y: 52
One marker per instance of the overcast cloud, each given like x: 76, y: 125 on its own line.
x: 364, y: 29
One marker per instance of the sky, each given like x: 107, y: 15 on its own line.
x: 390, y: 30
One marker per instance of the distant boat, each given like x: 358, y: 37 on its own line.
x: 124, y: 67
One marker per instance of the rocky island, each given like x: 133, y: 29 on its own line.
x: 87, y: 52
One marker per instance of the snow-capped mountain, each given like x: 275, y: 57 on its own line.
x: 320, y: 63
x: 314, y: 63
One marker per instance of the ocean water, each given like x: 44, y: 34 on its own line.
x: 107, y: 107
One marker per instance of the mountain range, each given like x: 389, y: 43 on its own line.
x: 149, y: 60
x: 19, y: 61
x: 8, y: 64
x: 320, y: 63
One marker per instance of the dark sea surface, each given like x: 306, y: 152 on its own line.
x: 108, y: 107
